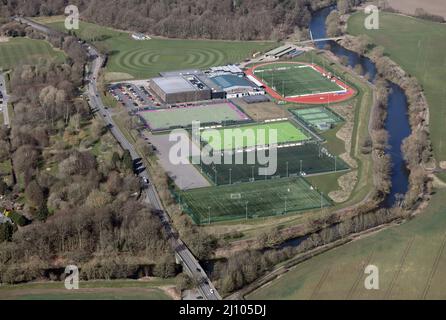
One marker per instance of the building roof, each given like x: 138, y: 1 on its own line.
x: 278, y: 50
x: 230, y: 81
x: 184, y: 72
x: 174, y: 84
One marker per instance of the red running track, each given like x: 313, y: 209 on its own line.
x: 319, y: 98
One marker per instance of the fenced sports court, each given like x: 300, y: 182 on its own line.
x: 219, y: 114
x: 315, y: 117
x: 251, y: 200
x: 309, y: 158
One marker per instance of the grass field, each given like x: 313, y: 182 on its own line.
x: 257, y: 199
x: 291, y: 80
x: 249, y: 136
x: 418, y: 46
x: 91, y: 290
x: 316, y: 116
x: 314, y: 160
x: 183, y: 117
x: 411, y: 259
x: 18, y: 51
x: 142, y: 59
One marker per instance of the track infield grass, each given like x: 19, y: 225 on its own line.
x: 252, y: 135
x: 144, y: 59
x: 292, y: 80
x: 419, y: 47
x: 256, y: 199
x: 183, y: 117
x: 411, y: 259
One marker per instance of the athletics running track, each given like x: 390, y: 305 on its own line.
x: 319, y: 98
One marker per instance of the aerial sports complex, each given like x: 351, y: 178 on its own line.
x: 301, y: 83
x: 220, y: 99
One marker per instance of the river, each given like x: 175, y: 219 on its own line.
x: 397, y: 122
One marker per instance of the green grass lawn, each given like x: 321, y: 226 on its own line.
x: 183, y: 117
x: 142, y: 59
x: 256, y: 199
x: 91, y: 290
x: 18, y: 51
x: 411, y: 261
x: 419, y: 47
x: 249, y: 136
x: 294, y: 80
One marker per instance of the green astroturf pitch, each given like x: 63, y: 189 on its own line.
x: 316, y: 116
x: 250, y: 135
x: 183, y: 117
x: 257, y: 199
x: 310, y: 158
x: 292, y: 80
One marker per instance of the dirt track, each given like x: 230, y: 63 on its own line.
x: 437, y: 7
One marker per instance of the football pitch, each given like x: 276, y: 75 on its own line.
x: 294, y: 80
x: 310, y: 158
x: 163, y: 119
x: 251, y: 200
x: 253, y: 135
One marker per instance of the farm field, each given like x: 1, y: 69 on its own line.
x: 18, y: 51
x: 257, y: 199
x: 291, y: 80
x: 418, y: 46
x: 411, y: 259
x: 183, y: 117
x: 409, y: 6
x: 315, y: 159
x: 143, y: 59
x: 91, y: 290
x: 249, y: 135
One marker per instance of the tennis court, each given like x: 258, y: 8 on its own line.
x: 310, y: 158
x: 251, y: 200
x: 249, y: 136
x: 317, y: 116
x: 221, y: 113
x: 293, y: 80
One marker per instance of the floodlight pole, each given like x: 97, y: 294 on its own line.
x: 253, y: 174
x: 287, y: 171
x: 285, y: 204
x: 246, y: 210
x: 230, y: 176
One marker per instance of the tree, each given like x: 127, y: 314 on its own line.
x: 6, y: 231
x: 34, y: 194
x: 344, y: 6
x: 127, y: 161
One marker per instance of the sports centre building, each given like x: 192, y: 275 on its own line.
x: 196, y: 85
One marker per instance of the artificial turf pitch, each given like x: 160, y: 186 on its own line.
x: 251, y: 200
x: 293, y: 80
x: 311, y: 158
x: 163, y: 119
x: 250, y: 136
